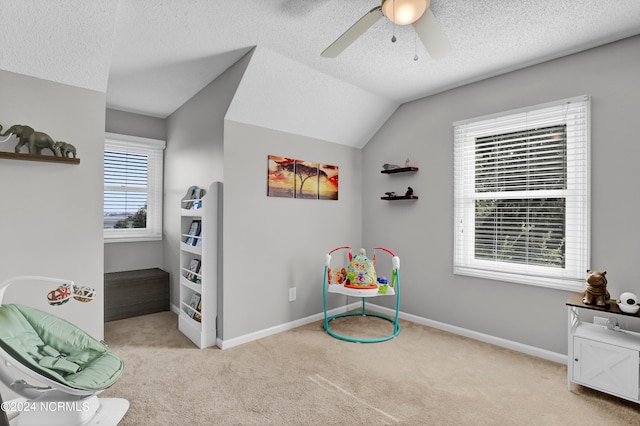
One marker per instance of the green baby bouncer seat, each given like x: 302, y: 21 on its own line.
x: 57, y: 368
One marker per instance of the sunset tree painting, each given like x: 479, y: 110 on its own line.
x: 328, y: 182
x: 301, y: 179
x: 281, y: 177
x: 306, y: 180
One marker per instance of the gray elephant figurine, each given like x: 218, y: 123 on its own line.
x: 35, y: 141
x: 66, y: 149
x: 20, y: 131
x: 39, y: 140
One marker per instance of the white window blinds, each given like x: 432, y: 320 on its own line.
x: 132, y: 188
x: 521, y: 182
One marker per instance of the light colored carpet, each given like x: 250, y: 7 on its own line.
x: 306, y: 377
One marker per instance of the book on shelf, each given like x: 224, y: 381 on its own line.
x: 189, y: 203
x: 194, y: 268
x: 198, y: 313
x: 194, y: 231
x: 197, y: 195
x: 194, y: 304
x: 195, y: 199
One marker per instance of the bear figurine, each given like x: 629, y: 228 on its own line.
x: 596, y: 292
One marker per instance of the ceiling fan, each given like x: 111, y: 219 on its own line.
x: 400, y: 12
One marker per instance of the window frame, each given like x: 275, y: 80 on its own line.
x: 154, y: 148
x: 577, y: 231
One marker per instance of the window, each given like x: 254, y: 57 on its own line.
x: 521, y: 182
x: 132, y: 188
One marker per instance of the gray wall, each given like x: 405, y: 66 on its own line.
x: 194, y: 156
x: 143, y: 254
x: 422, y: 231
x: 128, y: 123
x: 271, y: 243
x: 288, y: 238
x: 51, y: 213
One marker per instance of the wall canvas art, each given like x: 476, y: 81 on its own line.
x: 327, y: 182
x: 301, y: 179
x: 306, y: 180
x: 281, y: 179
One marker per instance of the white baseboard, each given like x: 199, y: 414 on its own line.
x: 229, y: 343
x: 175, y: 309
x: 487, y: 338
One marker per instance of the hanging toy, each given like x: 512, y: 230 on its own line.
x: 361, y: 273
x: 341, y: 276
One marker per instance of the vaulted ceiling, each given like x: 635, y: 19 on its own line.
x: 150, y: 56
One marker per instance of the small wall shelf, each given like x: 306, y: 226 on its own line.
x: 34, y: 157
x: 399, y: 170
x: 401, y: 197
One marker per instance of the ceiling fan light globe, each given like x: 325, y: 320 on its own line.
x: 406, y: 11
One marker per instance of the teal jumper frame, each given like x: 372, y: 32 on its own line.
x: 363, y: 311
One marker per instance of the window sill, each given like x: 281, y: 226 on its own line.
x: 565, y: 284
x: 131, y: 239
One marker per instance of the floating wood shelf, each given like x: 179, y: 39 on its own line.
x: 400, y: 170
x: 401, y: 197
x: 34, y: 157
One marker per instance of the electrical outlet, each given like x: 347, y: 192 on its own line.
x: 600, y: 321
x: 292, y: 297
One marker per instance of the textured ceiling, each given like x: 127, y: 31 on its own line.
x: 150, y: 56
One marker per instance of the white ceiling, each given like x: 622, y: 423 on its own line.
x: 150, y: 56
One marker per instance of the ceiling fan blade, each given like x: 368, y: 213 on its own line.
x: 355, y: 31
x: 432, y: 35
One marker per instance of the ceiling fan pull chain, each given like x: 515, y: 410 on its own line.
x: 415, y: 46
x: 393, y: 39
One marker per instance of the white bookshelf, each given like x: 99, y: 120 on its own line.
x: 199, y: 325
